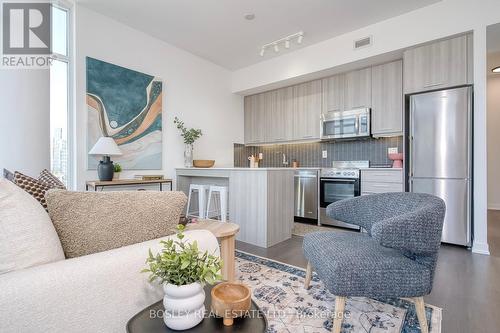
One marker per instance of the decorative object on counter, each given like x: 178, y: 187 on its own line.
x: 126, y: 105
x: 203, y: 163
x: 230, y: 300
x: 254, y: 162
x: 295, y: 164
x: 190, y: 136
x: 118, y: 170
x: 183, y: 269
x: 105, y: 147
x: 397, y: 160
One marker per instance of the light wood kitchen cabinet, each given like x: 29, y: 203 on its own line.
x: 307, y: 110
x: 333, y: 93
x: 381, y: 181
x: 358, y: 89
x: 281, y: 120
x: 256, y: 112
x: 387, y: 99
x: 438, y: 65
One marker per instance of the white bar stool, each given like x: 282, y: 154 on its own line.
x: 201, y: 190
x: 221, y: 207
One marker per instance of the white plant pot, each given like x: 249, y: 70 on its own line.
x: 184, y: 305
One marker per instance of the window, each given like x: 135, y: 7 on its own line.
x: 60, y: 95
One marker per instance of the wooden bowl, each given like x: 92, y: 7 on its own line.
x: 230, y: 300
x: 203, y: 163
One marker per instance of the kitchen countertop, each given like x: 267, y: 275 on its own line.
x: 248, y: 169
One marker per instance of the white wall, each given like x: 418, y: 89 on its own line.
x: 197, y: 91
x: 24, y: 120
x: 445, y: 18
x: 493, y: 133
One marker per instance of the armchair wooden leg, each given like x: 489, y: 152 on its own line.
x: 339, y: 313
x: 420, y: 308
x: 307, y: 280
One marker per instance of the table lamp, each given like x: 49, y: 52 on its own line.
x: 106, y: 147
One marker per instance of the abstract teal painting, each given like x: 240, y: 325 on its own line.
x: 127, y: 106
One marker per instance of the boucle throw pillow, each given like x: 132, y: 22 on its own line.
x: 90, y: 222
x: 48, y: 178
x: 27, y: 236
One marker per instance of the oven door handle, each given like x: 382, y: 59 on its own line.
x: 330, y: 180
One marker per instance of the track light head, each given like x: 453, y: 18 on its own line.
x: 299, y: 40
x: 262, y: 51
x: 276, y: 47
x: 287, y: 43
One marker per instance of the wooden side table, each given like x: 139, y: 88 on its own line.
x: 225, y: 233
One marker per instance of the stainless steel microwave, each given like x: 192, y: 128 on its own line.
x: 346, y: 124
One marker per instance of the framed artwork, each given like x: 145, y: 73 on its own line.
x: 126, y: 105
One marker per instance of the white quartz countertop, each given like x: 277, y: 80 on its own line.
x: 247, y: 169
x: 382, y: 169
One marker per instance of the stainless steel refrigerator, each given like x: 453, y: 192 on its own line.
x: 440, y: 145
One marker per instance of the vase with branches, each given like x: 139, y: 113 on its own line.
x: 190, y: 135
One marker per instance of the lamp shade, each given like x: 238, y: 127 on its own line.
x: 105, y: 146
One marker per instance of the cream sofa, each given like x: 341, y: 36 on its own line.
x: 98, y: 292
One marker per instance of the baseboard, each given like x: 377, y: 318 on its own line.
x: 494, y: 206
x: 481, y: 248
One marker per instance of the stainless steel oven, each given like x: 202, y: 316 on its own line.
x: 336, y: 185
x: 346, y: 124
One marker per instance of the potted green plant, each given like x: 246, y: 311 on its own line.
x: 117, y: 170
x: 183, y: 270
x: 190, y: 136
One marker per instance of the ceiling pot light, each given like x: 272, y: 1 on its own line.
x: 496, y: 69
x: 276, y: 48
x: 249, y: 17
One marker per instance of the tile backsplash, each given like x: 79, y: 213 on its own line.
x: 310, y: 154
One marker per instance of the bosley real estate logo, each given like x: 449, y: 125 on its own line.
x: 26, y: 36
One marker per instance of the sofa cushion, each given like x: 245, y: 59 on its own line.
x: 90, y: 222
x: 27, y: 236
x: 48, y: 178
x: 33, y: 186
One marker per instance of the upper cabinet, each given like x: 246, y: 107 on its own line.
x: 438, y: 65
x: 256, y: 113
x: 281, y: 120
x: 307, y: 110
x: 333, y: 93
x: 387, y: 99
x: 358, y: 89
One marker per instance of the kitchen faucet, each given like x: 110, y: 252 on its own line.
x: 284, y: 161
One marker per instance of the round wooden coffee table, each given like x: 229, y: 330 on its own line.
x: 149, y: 321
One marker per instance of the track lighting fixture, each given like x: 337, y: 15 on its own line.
x: 286, y: 41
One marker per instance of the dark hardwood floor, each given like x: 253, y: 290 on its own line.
x: 466, y: 285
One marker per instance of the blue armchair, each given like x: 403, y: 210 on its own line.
x: 395, y: 258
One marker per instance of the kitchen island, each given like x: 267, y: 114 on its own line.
x: 260, y: 199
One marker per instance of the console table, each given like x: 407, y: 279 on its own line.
x: 95, y: 184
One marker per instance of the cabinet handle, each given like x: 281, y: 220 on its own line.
x: 433, y: 85
x: 307, y: 136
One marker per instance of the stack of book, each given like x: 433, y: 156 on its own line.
x: 148, y: 177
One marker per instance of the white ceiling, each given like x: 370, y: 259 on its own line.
x: 216, y: 30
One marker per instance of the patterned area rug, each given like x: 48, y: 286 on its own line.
x: 278, y: 290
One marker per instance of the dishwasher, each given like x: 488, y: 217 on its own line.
x: 306, y: 195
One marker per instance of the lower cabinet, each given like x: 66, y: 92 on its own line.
x: 381, y: 181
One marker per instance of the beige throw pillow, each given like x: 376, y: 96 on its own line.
x: 27, y: 236
x: 90, y: 222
